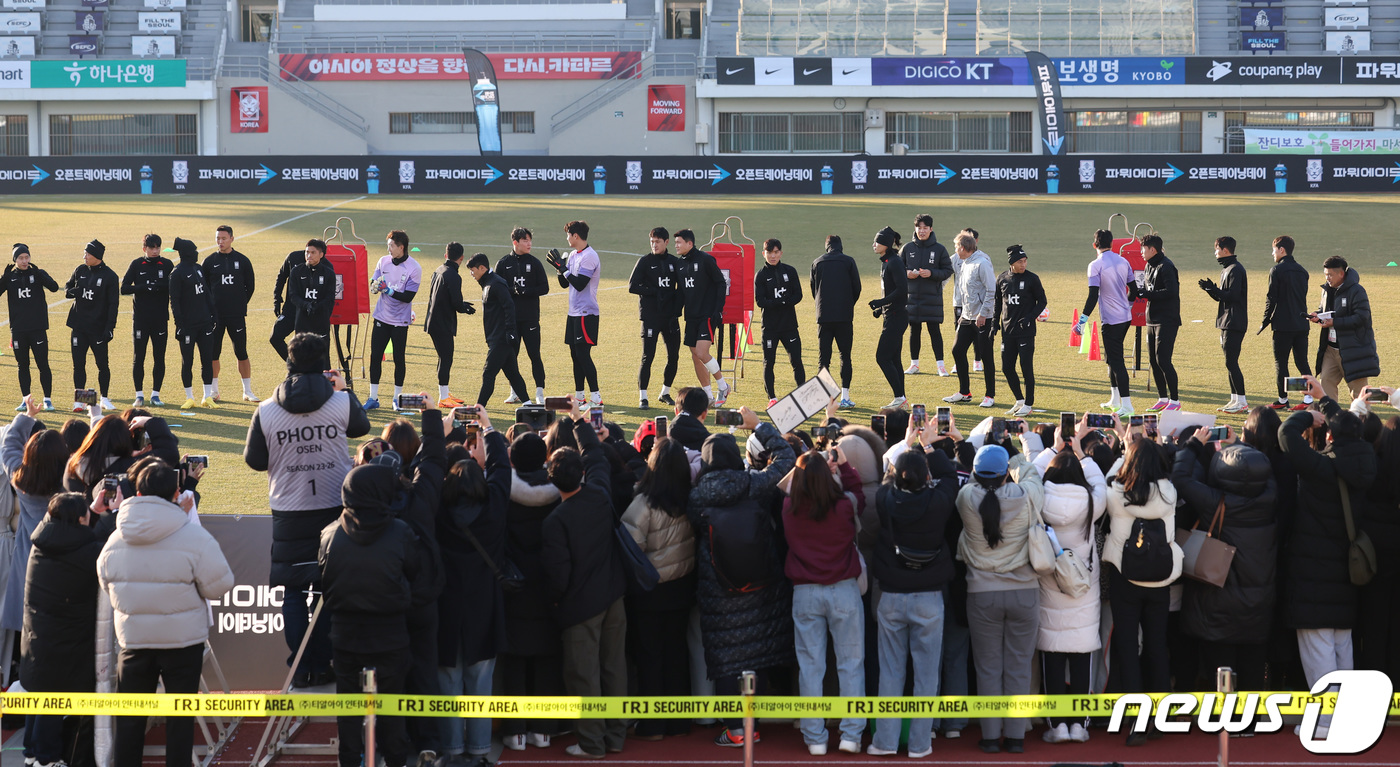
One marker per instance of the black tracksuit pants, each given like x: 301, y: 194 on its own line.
x: 980, y: 339
x: 445, y: 345
x: 96, y: 342
x: 888, y: 353
x: 792, y: 342
x: 283, y: 327
x: 531, y: 337
x: 1161, y: 343
x: 1113, y: 336
x: 1230, y: 343
x: 672, y: 337
x: 24, y: 342
x: 208, y: 343
x: 935, y: 338
x: 156, y: 336
x: 1019, y: 350
x: 390, y: 732
x: 379, y: 339
x: 841, y: 333
x: 500, y: 357
x: 1293, y: 342
x: 138, y: 671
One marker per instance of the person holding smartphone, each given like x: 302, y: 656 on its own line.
x: 1231, y: 317
x: 1020, y: 298
x: 498, y: 312
x: 1347, y: 349
x: 1286, y: 309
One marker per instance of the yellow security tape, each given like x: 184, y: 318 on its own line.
x: 639, y: 707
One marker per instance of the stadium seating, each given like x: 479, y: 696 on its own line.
x: 198, y: 41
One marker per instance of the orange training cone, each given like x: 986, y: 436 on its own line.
x: 1094, y: 355
x: 1074, y: 339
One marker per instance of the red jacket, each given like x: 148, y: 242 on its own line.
x: 824, y: 552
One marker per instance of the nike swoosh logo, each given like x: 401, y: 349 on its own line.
x: 810, y: 71
x: 728, y: 71
x: 848, y: 71
x: 769, y: 71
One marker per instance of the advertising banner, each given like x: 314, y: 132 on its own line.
x: 1049, y: 102
x: 1264, y: 41
x: 163, y: 23
x: 486, y: 101
x: 1349, y: 42
x: 14, y: 74
x: 1346, y: 17
x: 89, y: 22
x: 248, y: 109
x: 1112, y: 71
x: 730, y: 174
x: 152, y: 45
x: 1261, y: 18
x: 451, y: 66
x: 666, y: 108
x: 16, y: 46
x: 247, y: 632
x: 20, y: 23
x: 1320, y: 142
x: 985, y: 71
x: 83, y: 45
x: 109, y: 74
x: 1268, y: 70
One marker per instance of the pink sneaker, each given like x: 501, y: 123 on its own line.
x: 1174, y: 406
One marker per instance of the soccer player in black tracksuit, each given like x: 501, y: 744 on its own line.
x: 1020, y: 299
x: 282, y: 309
x: 444, y: 304
x: 527, y: 280
x: 311, y: 292
x: 498, y: 320
x: 147, y: 280
x: 1286, y: 308
x: 1161, y: 288
x: 835, y: 290
x: 1231, y: 317
x: 24, y: 284
x: 777, y: 289
x: 192, y: 303
x: 656, y: 283
x: 231, y: 274
x: 704, y: 290
x: 895, y: 282
x: 95, y: 291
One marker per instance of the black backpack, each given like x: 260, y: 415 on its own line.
x: 1147, y: 554
x: 742, y: 549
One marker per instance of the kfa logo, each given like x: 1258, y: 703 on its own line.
x: 226, y: 279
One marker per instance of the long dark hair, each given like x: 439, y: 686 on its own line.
x: 814, y: 493
x: 910, y: 471
x: 41, y: 472
x: 560, y: 434
x: 1261, y: 431
x: 1143, y: 465
x: 404, y: 439
x: 109, y: 439
x: 666, y: 482
x: 990, y: 508
x: 1065, y: 469
x: 465, y: 481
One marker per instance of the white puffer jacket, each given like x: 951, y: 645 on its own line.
x: 1160, y: 505
x: 159, y: 570
x: 1069, y: 624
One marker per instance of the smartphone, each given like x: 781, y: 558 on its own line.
x: 1295, y: 384
x: 919, y: 414
x: 998, y: 431
x: 1149, y: 425
x: 1135, y: 421
x: 729, y: 418
x: 465, y: 413
x: 1218, y: 433
x: 818, y: 432
x: 1376, y: 395
x: 944, y: 416
x: 558, y: 403
x: 877, y: 424
x: 410, y: 402
x: 329, y: 374
x: 1067, y: 426
x: 595, y: 417
x: 85, y: 396
x: 473, y: 429
x: 1015, y: 426
x: 1098, y: 420
x: 662, y: 422
x: 110, y: 484
x: 197, y: 460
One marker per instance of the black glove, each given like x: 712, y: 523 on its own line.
x: 878, y: 311
x: 1206, y: 285
x: 470, y: 309
x: 556, y: 260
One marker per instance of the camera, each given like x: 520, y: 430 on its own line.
x: 537, y: 417
x: 473, y: 429
x: 919, y: 415
x: 729, y: 418
x: 1218, y: 433
x: 819, y: 432
x: 998, y: 431
x: 1149, y: 425
x: 945, y: 419
x: 1015, y: 426
x: 877, y: 424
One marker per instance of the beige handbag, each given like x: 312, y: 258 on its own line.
x: 1207, y: 558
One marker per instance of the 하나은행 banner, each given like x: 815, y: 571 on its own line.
x: 452, y: 66
x: 700, y: 175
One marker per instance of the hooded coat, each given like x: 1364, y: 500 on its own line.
x: 750, y: 630
x: 1320, y: 593
x: 1071, y: 624
x: 191, y: 295
x: 60, y: 609
x: 159, y: 569
x: 925, y: 296
x: 472, y: 610
x: 863, y: 452
x: 1351, y: 318
x: 530, y: 626
x: 1240, y: 612
x: 835, y: 286
x: 918, y: 521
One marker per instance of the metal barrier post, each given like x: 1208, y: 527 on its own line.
x: 367, y: 684
x: 1224, y: 684
x: 748, y: 686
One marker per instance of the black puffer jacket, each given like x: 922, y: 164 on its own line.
x: 60, y: 609
x: 919, y: 521
x: 1351, y: 317
x: 925, y: 297
x: 581, y: 559
x: 1241, y: 611
x: 753, y: 630
x: 1320, y: 593
x: 472, y: 610
x: 530, y: 626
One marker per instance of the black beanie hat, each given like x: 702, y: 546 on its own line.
x: 1015, y: 253
x: 19, y: 248
x: 370, y: 487
x: 185, y: 248
x: 720, y: 451
x: 887, y: 237
x: 96, y: 249
x: 528, y: 453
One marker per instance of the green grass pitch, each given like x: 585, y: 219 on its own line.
x: 1056, y: 232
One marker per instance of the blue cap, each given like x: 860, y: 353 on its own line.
x: 991, y: 461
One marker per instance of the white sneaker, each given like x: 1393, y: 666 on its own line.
x: 816, y: 749
x: 1023, y: 410
x: 1057, y: 734
x: 1078, y: 734
x: 913, y: 369
x: 956, y: 398
x: 1012, y: 410
x: 943, y: 371
x: 920, y: 754
x: 874, y: 751
x: 897, y: 402
x: 512, y: 399
x: 849, y: 746
x: 976, y: 367
x: 722, y: 394
x: 987, y: 402
x: 107, y: 404
x: 514, y: 742
x: 537, y: 740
